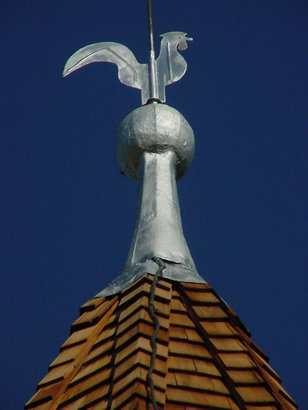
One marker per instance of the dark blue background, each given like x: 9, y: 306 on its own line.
x: 67, y: 215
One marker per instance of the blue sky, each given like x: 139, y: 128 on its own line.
x: 67, y: 215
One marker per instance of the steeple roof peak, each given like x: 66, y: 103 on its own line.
x: 201, y: 357
x: 158, y: 336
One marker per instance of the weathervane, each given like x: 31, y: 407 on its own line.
x: 150, y: 78
x: 155, y: 146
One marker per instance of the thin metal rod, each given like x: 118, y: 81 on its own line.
x: 152, y: 65
x: 150, y: 23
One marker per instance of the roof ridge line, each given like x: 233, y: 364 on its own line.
x: 211, y: 348
x: 84, y: 352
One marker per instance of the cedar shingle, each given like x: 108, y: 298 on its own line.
x: 177, y: 332
x: 255, y: 394
x: 206, y: 367
x: 193, y: 335
x: 86, y: 386
x: 79, y: 336
x: 143, y: 344
x: 227, y: 344
x: 203, y: 297
x: 200, y: 382
x: 183, y: 364
x: 177, y: 347
x: 191, y: 397
x: 205, y: 357
x: 44, y: 394
x: 91, y: 317
x: 144, y: 287
x: 244, y: 376
x: 181, y: 319
x: 218, y: 328
x: 56, y: 374
x: 138, y: 373
x: 177, y: 305
x: 91, y: 304
x: 210, y: 312
x: 105, y: 348
x: 237, y: 360
x: 67, y: 355
x: 88, y: 369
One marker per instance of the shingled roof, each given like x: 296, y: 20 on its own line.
x: 201, y: 357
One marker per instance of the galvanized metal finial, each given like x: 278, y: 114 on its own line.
x: 155, y: 146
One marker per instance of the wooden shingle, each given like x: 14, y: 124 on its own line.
x: 205, y: 358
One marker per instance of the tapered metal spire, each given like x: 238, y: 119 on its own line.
x: 155, y: 146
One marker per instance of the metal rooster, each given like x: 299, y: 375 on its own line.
x: 151, y: 79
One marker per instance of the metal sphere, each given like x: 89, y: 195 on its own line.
x: 154, y: 128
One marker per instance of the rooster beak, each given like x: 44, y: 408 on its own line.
x: 188, y: 38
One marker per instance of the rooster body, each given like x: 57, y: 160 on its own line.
x: 170, y: 66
